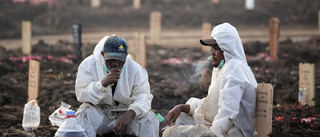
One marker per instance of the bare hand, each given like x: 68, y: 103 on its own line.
x: 123, y: 122
x: 175, y: 113
x: 112, y: 77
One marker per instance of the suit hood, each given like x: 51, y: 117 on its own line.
x: 229, y: 41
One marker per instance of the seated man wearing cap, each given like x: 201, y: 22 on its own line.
x: 115, y: 92
x: 229, y: 108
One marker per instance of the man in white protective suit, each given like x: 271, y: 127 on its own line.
x: 115, y: 92
x: 229, y: 108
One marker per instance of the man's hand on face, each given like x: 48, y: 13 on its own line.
x: 123, y: 122
x: 112, y: 77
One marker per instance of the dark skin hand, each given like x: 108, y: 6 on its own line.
x: 115, y: 69
x: 175, y: 113
x: 113, y: 77
x: 123, y: 122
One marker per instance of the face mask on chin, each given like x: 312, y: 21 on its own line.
x: 221, y: 64
x: 106, y: 68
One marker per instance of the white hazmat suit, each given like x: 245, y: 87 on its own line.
x: 99, y: 112
x: 229, y: 108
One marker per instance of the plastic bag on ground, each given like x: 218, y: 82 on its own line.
x: 70, y: 127
x: 59, y: 115
x: 31, y: 116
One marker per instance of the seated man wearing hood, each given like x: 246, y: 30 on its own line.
x: 115, y: 92
x: 229, y: 108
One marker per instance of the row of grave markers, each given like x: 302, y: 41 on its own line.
x: 139, y: 52
x: 264, y: 90
x: 155, y: 34
x: 264, y: 98
x: 274, y: 34
x: 136, y: 4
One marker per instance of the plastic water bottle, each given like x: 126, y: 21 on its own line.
x: 70, y: 127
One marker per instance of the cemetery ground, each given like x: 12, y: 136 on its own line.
x: 175, y: 74
x: 175, y: 69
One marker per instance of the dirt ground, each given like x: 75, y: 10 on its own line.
x: 175, y: 73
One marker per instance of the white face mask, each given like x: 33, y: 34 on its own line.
x: 106, y: 68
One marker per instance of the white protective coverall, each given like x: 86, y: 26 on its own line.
x: 229, y: 108
x: 99, y: 112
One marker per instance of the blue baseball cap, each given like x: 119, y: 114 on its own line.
x: 115, y: 48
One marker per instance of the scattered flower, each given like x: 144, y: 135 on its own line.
x: 308, y: 119
x: 278, y: 118
x: 176, y: 61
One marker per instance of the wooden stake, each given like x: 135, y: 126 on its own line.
x: 26, y: 37
x: 95, y: 3
x: 274, y: 33
x: 215, y: 1
x: 136, y: 4
x: 249, y: 4
x: 206, y: 33
x: 155, y: 27
x: 319, y: 21
x: 142, y: 58
x: 307, y: 84
x: 34, y: 79
x: 264, y: 109
x: 138, y: 49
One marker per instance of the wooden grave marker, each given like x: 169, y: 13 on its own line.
x: 274, y: 34
x: 155, y: 27
x: 206, y: 33
x: 136, y: 4
x: 132, y: 49
x: 138, y: 49
x: 306, y: 84
x: 34, y: 79
x: 141, y: 55
x: 215, y: 1
x: 26, y: 37
x: 95, y: 3
x: 264, y: 109
x: 319, y: 21
x: 249, y: 4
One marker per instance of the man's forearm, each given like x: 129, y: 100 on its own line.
x: 185, y: 108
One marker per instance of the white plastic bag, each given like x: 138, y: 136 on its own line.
x: 59, y: 115
x: 31, y: 116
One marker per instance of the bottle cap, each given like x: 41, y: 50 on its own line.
x: 70, y: 113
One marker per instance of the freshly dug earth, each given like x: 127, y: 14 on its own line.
x: 175, y: 74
